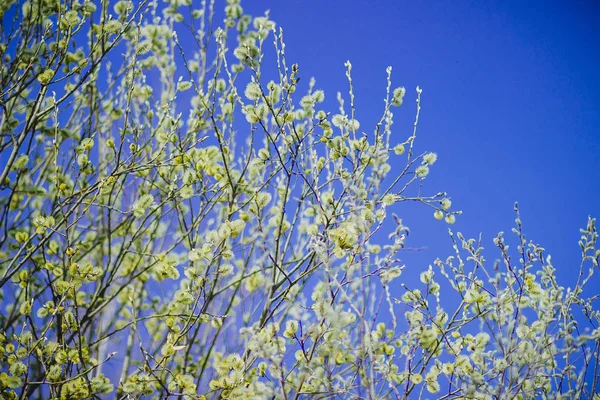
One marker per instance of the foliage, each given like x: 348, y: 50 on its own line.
x: 239, y: 250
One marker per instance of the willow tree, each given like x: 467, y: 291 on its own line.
x: 247, y: 248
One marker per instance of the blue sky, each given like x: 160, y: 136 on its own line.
x: 509, y: 104
x: 510, y: 95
